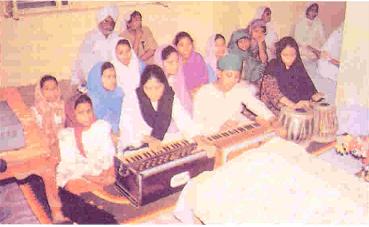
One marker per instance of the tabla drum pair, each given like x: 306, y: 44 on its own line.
x: 318, y: 124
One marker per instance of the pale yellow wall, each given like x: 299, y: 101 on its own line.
x: 48, y: 43
x: 353, y: 78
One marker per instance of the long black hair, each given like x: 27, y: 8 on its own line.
x: 167, y: 51
x: 283, y: 43
x: 153, y: 71
x: 82, y: 99
x: 181, y: 35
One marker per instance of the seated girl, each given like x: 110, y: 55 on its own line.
x: 215, y: 49
x: 105, y: 95
x: 86, y: 149
x: 153, y: 114
x: 252, y: 69
x: 127, y: 66
x: 257, y: 31
x: 49, y: 108
x: 167, y: 58
x: 286, y: 82
x: 194, y: 66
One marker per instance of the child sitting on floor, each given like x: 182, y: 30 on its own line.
x: 86, y: 149
x: 49, y: 107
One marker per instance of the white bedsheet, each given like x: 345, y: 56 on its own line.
x: 278, y: 182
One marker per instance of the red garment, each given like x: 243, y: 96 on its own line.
x: 72, y: 122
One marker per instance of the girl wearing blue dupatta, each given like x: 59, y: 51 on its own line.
x: 106, y: 96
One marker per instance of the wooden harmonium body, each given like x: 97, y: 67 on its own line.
x: 11, y: 129
x: 145, y: 176
x: 233, y: 142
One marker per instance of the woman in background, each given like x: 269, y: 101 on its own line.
x: 215, y: 49
x: 309, y: 33
x: 105, y: 95
x: 167, y: 58
x: 239, y: 44
x: 192, y: 63
x: 257, y: 31
x: 271, y: 36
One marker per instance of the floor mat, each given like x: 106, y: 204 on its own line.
x: 89, y: 209
x: 14, y: 205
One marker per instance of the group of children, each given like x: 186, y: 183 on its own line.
x: 131, y: 103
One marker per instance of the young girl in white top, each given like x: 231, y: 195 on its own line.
x: 153, y: 113
x: 86, y: 149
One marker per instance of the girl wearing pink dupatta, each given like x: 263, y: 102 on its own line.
x: 166, y: 56
x: 193, y: 65
x: 49, y: 107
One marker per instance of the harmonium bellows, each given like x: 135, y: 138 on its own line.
x: 11, y: 129
x: 144, y: 176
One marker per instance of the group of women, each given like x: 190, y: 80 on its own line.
x: 144, y: 105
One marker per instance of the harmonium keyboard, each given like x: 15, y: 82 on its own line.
x: 233, y: 142
x: 144, y: 175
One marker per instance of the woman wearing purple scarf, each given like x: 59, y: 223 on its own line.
x: 193, y: 65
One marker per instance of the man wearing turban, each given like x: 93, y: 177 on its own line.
x: 97, y: 45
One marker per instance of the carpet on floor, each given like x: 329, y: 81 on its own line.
x: 90, y: 209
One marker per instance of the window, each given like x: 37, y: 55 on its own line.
x: 19, y: 8
x: 16, y: 8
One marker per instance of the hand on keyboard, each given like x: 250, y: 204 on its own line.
x: 154, y: 144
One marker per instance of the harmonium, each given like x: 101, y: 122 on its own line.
x: 11, y: 129
x: 233, y: 142
x: 144, y: 176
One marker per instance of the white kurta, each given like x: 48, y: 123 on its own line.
x: 95, y: 48
x: 311, y: 33
x: 212, y: 107
x: 99, y: 149
x: 133, y: 127
x: 333, y: 47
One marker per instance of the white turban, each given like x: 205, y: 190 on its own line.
x: 103, y: 13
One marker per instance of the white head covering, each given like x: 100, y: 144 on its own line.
x: 210, y: 57
x: 128, y: 76
x: 307, y: 5
x: 309, y: 32
x: 103, y: 13
x: 125, y: 20
x: 259, y: 12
